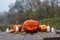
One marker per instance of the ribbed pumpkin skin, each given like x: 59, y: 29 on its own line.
x: 39, y: 28
x: 30, y: 26
x: 19, y: 27
x: 12, y: 30
x: 43, y: 28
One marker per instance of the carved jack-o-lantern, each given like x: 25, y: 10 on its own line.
x: 30, y: 26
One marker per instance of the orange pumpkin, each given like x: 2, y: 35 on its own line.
x: 12, y: 30
x: 43, y: 28
x: 39, y: 28
x: 19, y: 27
x: 30, y: 26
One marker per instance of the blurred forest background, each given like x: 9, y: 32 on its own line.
x: 46, y: 12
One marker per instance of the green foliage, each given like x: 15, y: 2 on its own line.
x: 32, y: 14
x: 36, y: 10
x: 44, y: 13
x: 3, y: 27
x: 53, y: 22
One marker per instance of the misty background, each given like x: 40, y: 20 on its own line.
x: 4, y: 4
x: 21, y: 10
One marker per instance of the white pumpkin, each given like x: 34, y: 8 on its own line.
x: 53, y: 30
x: 48, y: 28
x: 7, y: 30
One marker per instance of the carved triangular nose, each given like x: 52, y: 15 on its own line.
x: 32, y: 24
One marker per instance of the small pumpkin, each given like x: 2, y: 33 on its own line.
x: 12, y: 30
x: 48, y: 28
x: 17, y: 27
x: 39, y: 28
x: 43, y: 28
x: 31, y: 26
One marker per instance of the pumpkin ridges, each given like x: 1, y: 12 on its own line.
x: 43, y: 28
x: 19, y: 27
x: 39, y: 28
x: 30, y: 25
x: 12, y: 30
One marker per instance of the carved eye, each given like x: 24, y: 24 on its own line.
x: 30, y: 26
